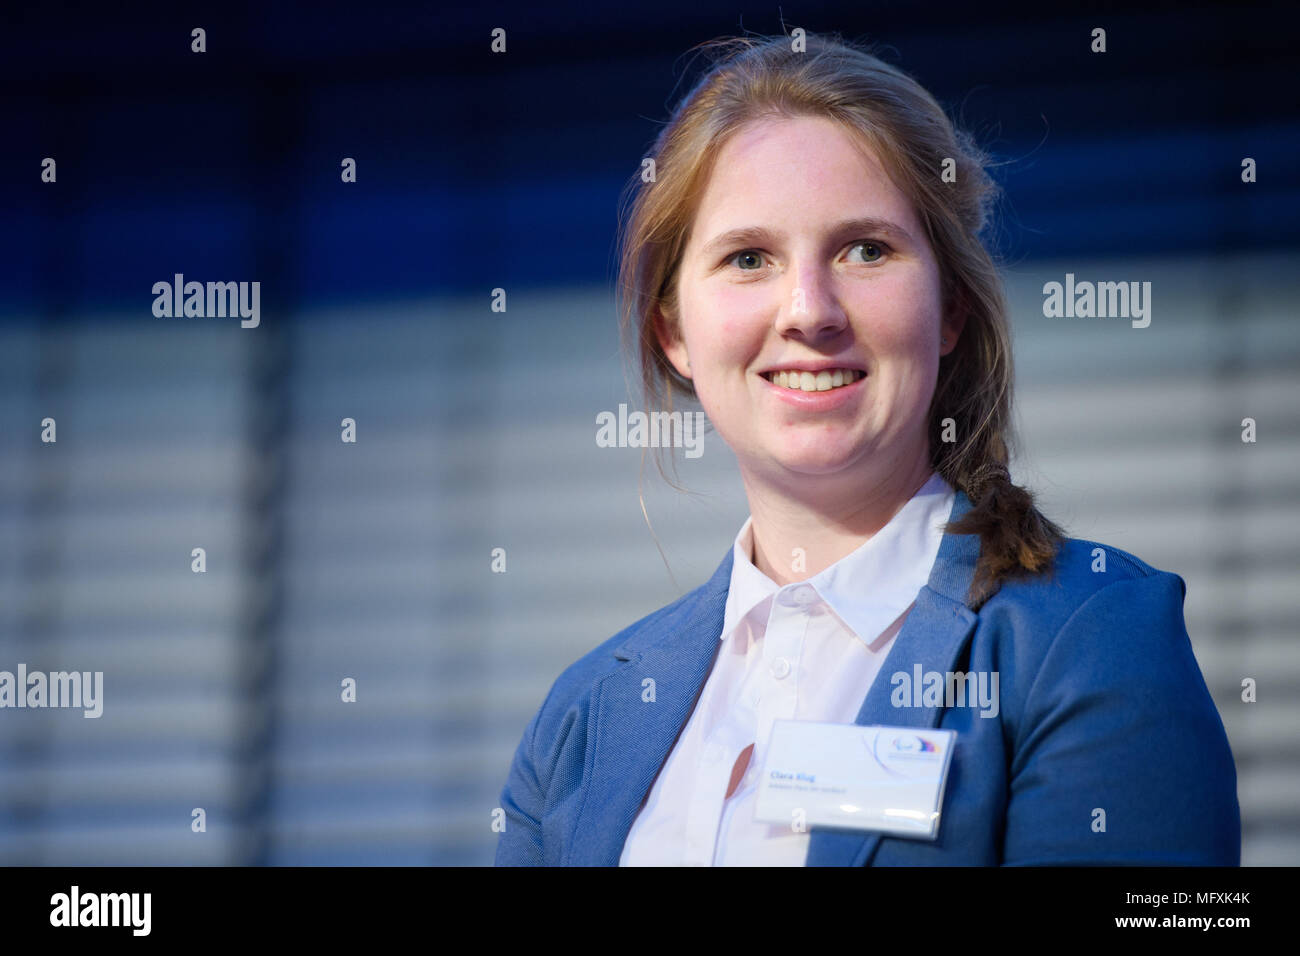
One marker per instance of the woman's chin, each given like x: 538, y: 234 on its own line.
x: 819, y: 462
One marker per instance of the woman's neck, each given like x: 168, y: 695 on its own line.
x: 799, y: 532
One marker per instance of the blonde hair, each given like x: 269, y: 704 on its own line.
x: 756, y: 77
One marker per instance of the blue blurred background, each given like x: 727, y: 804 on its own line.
x: 475, y: 429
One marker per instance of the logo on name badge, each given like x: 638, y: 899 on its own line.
x: 902, y: 755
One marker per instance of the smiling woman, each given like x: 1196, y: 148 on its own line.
x: 822, y: 171
x: 807, y: 266
x: 821, y: 296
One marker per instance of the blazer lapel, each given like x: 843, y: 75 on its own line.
x: 932, y: 637
x: 628, y: 736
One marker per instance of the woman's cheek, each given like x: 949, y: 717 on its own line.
x: 723, y: 350
x: 734, y: 322
x: 907, y: 317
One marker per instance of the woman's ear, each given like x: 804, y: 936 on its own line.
x: 674, y: 348
x: 951, y: 329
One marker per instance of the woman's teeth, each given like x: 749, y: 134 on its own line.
x: 814, y: 381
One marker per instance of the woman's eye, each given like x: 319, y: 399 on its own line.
x: 871, y: 251
x: 751, y: 260
x: 747, y: 255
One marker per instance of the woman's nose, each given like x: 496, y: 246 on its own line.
x: 812, y: 308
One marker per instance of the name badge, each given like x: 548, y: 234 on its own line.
x: 889, y: 779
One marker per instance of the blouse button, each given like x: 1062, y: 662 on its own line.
x: 780, y: 668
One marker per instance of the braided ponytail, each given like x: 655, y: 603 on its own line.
x: 1016, y: 539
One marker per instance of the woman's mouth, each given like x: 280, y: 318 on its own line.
x: 823, y: 381
x: 823, y: 391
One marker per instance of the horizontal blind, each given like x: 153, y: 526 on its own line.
x: 97, y: 531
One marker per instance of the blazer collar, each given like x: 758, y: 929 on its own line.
x: 638, y: 710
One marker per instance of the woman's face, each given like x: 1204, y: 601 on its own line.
x: 805, y: 259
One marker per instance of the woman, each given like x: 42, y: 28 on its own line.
x: 806, y: 264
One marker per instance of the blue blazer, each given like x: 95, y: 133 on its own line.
x: 1102, y: 706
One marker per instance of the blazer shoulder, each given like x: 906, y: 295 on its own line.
x: 1102, y: 561
x: 1039, y: 605
x: 1080, y: 569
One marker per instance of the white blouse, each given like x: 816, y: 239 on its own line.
x: 806, y: 651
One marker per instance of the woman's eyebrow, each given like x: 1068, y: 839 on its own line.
x: 861, y: 226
